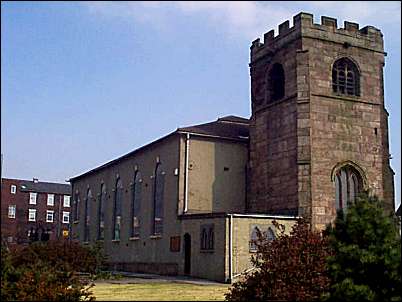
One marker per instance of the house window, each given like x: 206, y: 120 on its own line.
x: 253, y: 239
x: 118, y: 199
x: 88, y: 200
x: 32, y: 198
x: 50, y: 199
x: 348, y: 184
x: 276, y: 82
x: 101, y: 213
x: 66, y: 201
x: 66, y: 217
x: 207, y: 237
x: 13, y: 189
x: 136, y: 205
x: 31, y: 215
x: 76, y: 206
x: 49, y: 216
x: 11, y: 211
x: 159, y: 184
x: 345, y: 78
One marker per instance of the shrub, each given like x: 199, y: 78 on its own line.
x: 366, y: 265
x: 292, y: 267
x: 49, y: 271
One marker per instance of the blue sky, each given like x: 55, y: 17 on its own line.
x: 85, y: 82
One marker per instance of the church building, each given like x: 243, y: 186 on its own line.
x: 192, y: 202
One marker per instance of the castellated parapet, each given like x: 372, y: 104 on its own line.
x: 367, y: 37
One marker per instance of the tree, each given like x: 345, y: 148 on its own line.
x: 292, y: 267
x: 366, y: 264
x: 48, y: 271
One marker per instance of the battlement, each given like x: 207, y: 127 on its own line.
x: 303, y: 25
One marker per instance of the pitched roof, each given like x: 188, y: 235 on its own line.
x: 45, y: 187
x: 227, y: 127
x: 231, y: 127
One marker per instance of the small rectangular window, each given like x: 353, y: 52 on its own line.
x: 50, y: 199
x: 13, y: 189
x: 32, y: 198
x: 31, y: 215
x: 11, y: 211
x: 49, y: 216
x: 66, y: 202
x: 66, y: 217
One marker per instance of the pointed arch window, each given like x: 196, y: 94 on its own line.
x: 348, y: 183
x: 276, y: 82
x: 345, y: 78
x: 270, y: 235
x: 101, y: 213
x: 88, y: 200
x: 207, y: 237
x: 159, y: 186
x: 117, y: 211
x: 253, y: 239
x: 136, y: 205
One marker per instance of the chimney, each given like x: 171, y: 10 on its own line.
x: 35, y: 180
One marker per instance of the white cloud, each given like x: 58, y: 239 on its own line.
x: 248, y: 19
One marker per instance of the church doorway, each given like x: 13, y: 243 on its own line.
x: 187, y: 254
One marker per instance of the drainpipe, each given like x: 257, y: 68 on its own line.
x: 230, y: 247
x: 186, y: 155
x: 59, y: 219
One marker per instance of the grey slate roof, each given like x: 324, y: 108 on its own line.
x: 228, y: 127
x: 232, y: 127
x: 45, y: 187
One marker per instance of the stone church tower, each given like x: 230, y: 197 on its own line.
x: 318, y: 132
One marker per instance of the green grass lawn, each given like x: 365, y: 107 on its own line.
x: 159, y: 292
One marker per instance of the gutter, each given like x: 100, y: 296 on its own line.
x: 264, y: 216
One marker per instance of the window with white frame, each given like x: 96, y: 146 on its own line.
x: 50, y: 199
x: 66, y: 217
x: 49, y: 216
x: 66, y: 202
x: 31, y: 215
x: 13, y: 189
x: 11, y: 211
x: 32, y: 198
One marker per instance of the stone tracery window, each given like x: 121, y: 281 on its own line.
x: 345, y: 78
x: 270, y: 235
x: 253, y: 239
x: 348, y: 183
